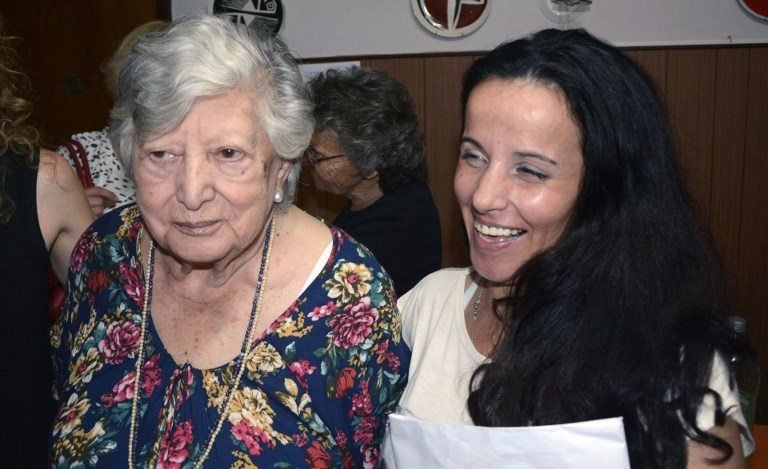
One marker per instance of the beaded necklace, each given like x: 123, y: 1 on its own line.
x: 247, y: 342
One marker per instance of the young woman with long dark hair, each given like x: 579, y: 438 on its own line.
x: 594, y: 291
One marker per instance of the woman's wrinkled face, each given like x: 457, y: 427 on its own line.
x: 205, y: 189
x: 519, y: 173
x: 335, y: 175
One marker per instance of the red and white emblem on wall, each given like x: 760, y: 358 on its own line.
x: 756, y: 8
x: 451, y: 18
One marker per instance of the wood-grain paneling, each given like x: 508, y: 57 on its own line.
x: 732, y: 79
x: 68, y: 42
x: 655, y: 63
x: 443, y: 81
x: 690, y: 100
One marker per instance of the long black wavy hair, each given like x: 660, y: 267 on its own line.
x: 621, y: 316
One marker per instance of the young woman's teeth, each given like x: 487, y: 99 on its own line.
x: 496, y: 231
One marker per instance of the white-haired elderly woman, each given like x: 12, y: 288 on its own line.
x: 215, y: 323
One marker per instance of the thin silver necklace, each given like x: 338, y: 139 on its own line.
x: 476, y: 309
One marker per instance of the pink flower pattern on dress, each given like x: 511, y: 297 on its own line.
x: 302, y: 368
x: 124, y: 389
x: 361, y: 402
x: 251, y: 436
x: 384, y: 355
x: 365, y: 429
x: 351, y: 327
x: 150, y: 375
x: 122, y: 339
x: 133, y: 287
x: 83, y: 249
x: 133, y: 232
x: 174, y: 447
x: 319, y: 312
x: 121, y: 392
x: 371, y: 455
x: 341, y: 439
x: 300, y: 439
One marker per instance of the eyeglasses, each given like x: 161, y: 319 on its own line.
x: 314, y: 158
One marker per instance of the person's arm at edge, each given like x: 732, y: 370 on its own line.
x: 701, y: 455
x: 63, y: 209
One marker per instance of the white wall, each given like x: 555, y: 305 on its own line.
x: 336, y: 28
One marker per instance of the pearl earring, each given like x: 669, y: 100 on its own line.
x: 278, y: 197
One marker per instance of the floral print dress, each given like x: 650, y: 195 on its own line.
x: 317, y: 388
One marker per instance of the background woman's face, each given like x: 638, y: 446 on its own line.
x: 206, y: 188
x: 338, y: 175
x: 519, y: 173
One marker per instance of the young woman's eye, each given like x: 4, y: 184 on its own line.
x: 473, y: 157
x: 527, y: 171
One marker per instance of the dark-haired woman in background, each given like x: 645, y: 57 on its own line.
x: 368, y: 147
x: 594, y: 291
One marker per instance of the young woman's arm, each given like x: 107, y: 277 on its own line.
x: 62, y: 209
x: 700, y: 455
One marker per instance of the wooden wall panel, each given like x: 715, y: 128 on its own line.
x: 442, y: 91
x: 655, y: 63
x: 732, y: 77
x: 66, y: 41
x: 752, y: 273
x: 690, y: 100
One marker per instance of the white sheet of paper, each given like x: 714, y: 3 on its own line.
x: 416, y: 443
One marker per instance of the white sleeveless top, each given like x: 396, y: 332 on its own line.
x: 444, y: 358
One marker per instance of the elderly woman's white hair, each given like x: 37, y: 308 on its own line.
x: 201, y: 56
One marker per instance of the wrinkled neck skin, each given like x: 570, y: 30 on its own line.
x: 365, y: 193
x: 216, y: 274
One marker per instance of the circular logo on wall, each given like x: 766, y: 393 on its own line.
x: 451, y: 18
x: 257, y: 14
x: 757, y: 8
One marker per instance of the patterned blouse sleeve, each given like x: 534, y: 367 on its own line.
x: 368, y: 330
x: 62, y: 336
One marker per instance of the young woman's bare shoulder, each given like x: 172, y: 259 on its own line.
x: 55, y: 176
x: 62, y: 208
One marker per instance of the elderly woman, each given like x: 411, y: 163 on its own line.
x: 367, y: 147
x: 214, y: 323
x: 593, y: 291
